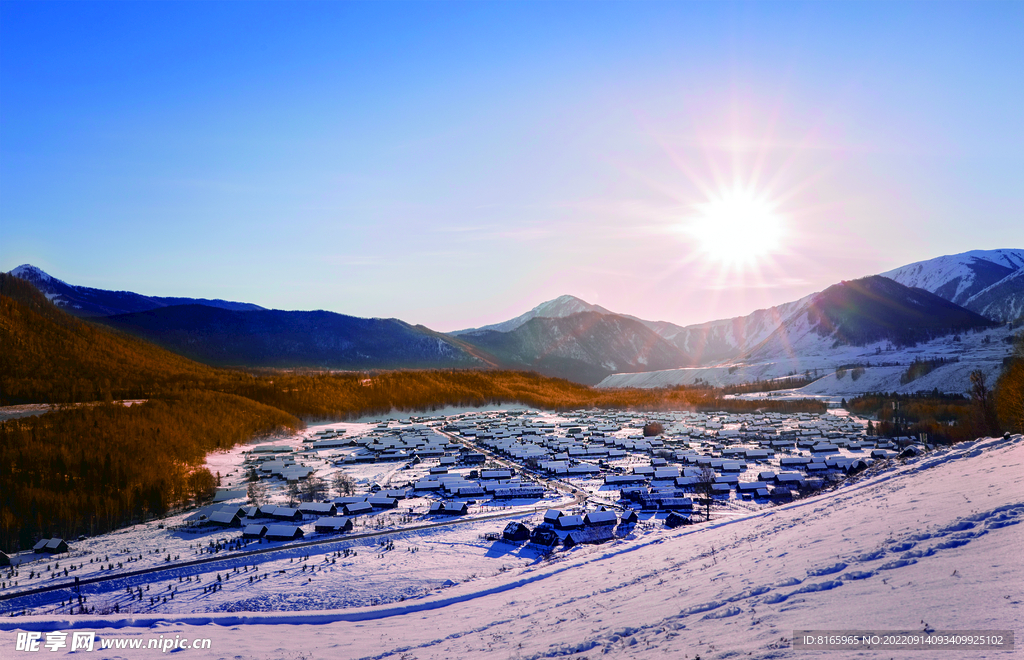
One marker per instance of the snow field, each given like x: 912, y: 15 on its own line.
x: 933, y: 540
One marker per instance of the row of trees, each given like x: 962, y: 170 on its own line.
x: 951, y: 418
x: 334, y: 396
x: 91, y: 469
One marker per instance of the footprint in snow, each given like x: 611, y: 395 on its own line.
x: 827, y: 570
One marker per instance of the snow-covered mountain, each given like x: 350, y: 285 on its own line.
x: 873, y: 322
x: 558, y: 308
x: 984, y: 281
x: 866, y: 311
x: 706, y: 343
x: 88, y: 302
x: 1002, y: 301
x: 725, y: 339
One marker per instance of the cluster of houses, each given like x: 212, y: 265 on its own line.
x: 270, y: 521
x: 800, y: 449
x: 753, y: 457
x: 403, y: 442
x: 572, y: 530
x: 479, y: 484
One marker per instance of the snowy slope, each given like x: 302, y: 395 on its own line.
x: 959, y: 277
x: 808, y: 351
x: 717, y: 341
x: 1003, y: 300
x: 929, y: 543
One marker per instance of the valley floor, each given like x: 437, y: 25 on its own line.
x: 930, y: 542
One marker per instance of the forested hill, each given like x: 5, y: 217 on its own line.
x: 50, y: 356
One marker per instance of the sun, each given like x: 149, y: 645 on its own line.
x: 737, y: 228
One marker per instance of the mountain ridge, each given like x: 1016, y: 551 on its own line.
x: 961, y: 278
x: 86, y: 302
x: 284, y: 339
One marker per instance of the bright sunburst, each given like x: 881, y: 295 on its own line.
x: 737, y: 228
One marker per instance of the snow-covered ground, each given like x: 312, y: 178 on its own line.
x: 930, y: 542
x: 984, y: 350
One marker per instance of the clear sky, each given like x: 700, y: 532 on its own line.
x: 454, y: 164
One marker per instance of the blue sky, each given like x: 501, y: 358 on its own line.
x: 454, y: 164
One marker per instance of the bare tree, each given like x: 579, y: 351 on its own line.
x: 705, y: 481
x: 343, y: 484
x: 984, y: 410
x: 257, y: 492
x: 313, y: 489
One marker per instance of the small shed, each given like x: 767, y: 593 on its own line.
x: 516, y: 532
x: 333, y: 525
x: 286, y: 513
x: 456, y: 508
x: 588, y: 535
x: 318, y: 509
x: 629, y: 518
x: 676, y: 519
x: 283, y: 533
x: 5, y: 560
x: 224, y: 519
x: 383, y: 502
x: 228, y: 494
x: 239, y: 511
x: 676, y: 503
x: 600, y: 518
x: 569, y: 522
x: 51, y: 546
x: 356, y: 508
x: 254, y: 531
x: 56, y: 546
x: 551, y: 516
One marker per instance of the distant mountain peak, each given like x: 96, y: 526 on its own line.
x: 557, y: 308
x: 33, y: 274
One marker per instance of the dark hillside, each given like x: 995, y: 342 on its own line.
x: 876, y: 308
x: 281, y: 339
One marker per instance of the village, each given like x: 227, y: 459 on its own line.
x: 353, y: 506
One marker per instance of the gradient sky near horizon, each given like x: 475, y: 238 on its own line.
x: 455, y: 164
